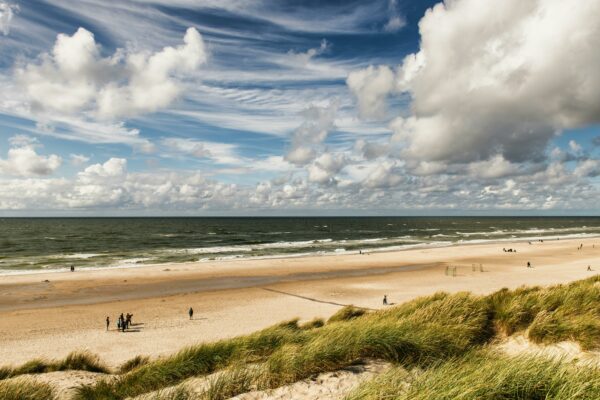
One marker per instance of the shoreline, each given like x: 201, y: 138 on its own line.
x: 376, y: 250
x: 51, y: 319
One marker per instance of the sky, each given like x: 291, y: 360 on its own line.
x: 276, y: 107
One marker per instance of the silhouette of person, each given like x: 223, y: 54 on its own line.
x: 385, y: 300
x: 191, y: 313
x: 107, y: 323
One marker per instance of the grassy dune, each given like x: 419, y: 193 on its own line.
x: 78, y: 360
x: 439, y: 344
x: 485, y: 375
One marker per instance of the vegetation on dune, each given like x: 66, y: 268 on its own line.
x: 485, y: 376
x: 430, y: 334
x: 133, y: 363
x: 198, y: 360
x: 22, y: 389
x: 78, y: 360
x: 445, y: 326
x: 552, y: 314
x: 347, y: 313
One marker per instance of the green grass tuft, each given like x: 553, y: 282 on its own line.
x: 21, y: 389
x: 312, y: 324
x: 78, y: 360
x: 347, y: 313
x: 134, y: 363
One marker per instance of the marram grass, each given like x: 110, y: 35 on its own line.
x: 25, y: 389
x: 483, y: 375
x: 78, y: 360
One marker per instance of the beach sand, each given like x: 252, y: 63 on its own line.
x: 49, y: 315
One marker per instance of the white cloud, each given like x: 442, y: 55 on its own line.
x: 23, y: 160
x: 383, y: 175
x: 114, y: 167
x: 7, y: 12
x: 496, y: 167
x: 371, y: 86
x: 575, y: 147
x: 78, y: 159
x: 395, y: 21
x: 302, y: 59
x: 75, y: 78
x: 394, y: 24
x: 325, y: 167
x: 318, y: 120
x: 493, y: 80
x: 222, y: 153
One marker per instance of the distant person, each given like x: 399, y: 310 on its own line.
x: 528, y: 264
x: 72, y: 268
x: 107, y: 323
x: 385, y: 300
x: 191, y: 313
x: 589, y: 268
x: 119, y: 324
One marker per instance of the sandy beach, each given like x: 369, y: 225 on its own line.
x: 49, y: 315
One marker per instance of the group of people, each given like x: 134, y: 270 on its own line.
x: 123, y: 322
x: 509, y: 250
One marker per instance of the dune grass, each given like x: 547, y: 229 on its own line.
x: 552, y: 314
x: 134, y: 363
x: 423, y: 334
x: 197, y: 360
x: 484, y: 375
x: 347, y: 313
x: 23, y: 389
x: 78, y: 360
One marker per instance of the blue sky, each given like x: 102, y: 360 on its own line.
x: 254, y: 107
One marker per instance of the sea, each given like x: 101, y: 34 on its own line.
x: 30, y: 245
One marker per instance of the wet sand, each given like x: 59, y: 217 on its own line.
x: 66, y: 313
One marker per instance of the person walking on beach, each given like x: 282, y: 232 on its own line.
x: 385, y: 300
x: 107, y: 323
x: 589, y: 268
x: 191, y: 313
x: 528, y: 264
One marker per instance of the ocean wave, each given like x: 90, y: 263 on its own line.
x: 83, y: 256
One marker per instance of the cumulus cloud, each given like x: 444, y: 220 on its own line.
x: 496, y: 167
x: 493, y: 80
x: 7, y: 12
x: 371, y: 150
x: 75, y: 78
x: 114, y: 167
x: 318, y: 121
x: 23, y: 160
x: 324, y: 168
x: 371, y: 86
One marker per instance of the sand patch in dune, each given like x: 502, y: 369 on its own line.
x: 566, y: 351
